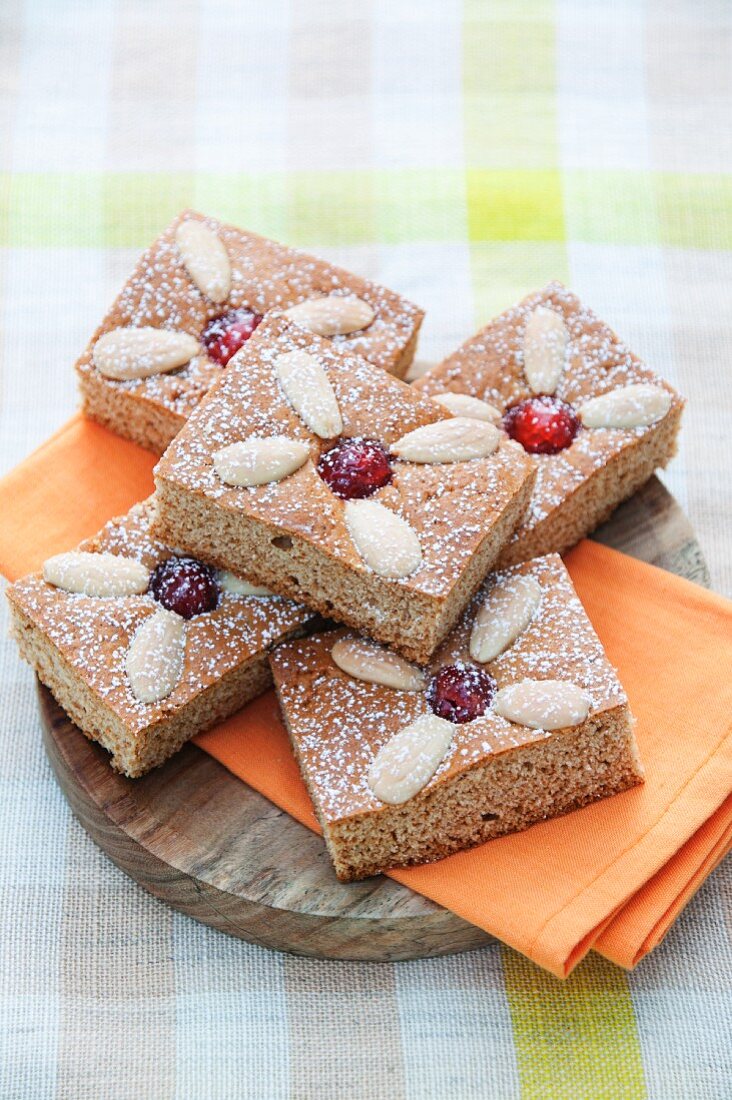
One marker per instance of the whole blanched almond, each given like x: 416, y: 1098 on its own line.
x: 384, y: 540
x: 408, y: 760
x: 455, y: 440
x: 258, y: 461
x: 365, y: 660
x: 635, y: 406
x: 154, y: 662
x: 543, y: 704
x: 336, y: 315
x: 237, y: 586
x: 126, y: 353
x: 462, y: 404
x: 308, y: 389
x: 545, y: 345
x: 205, y: 258
x: 504, y: 614
x: 96, y: 574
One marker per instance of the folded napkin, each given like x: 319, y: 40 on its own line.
x: 612, y: 876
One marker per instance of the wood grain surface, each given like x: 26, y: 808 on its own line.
x: 202, y: 841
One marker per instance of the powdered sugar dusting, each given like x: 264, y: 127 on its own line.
x: 339, y: 723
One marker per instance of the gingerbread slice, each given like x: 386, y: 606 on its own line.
x: 142, y: 646
x: 407, y: 765
x: 595, y: 418
x: 315, y: 473
x: 196, y: 296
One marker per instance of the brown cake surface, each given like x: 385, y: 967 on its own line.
x: 78, y: 645
x: 577, y: 488
x: 292, y: 535
x: 264, y: 275
x: 497, y: 776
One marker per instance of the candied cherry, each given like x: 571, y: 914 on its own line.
x: 224, y: 335
x: 356, y: 468
x: 461, y: 692
x: 543, y: 425
x: 184, y: 585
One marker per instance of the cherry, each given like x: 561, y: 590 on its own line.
x: 461, y: 692
x: 356, y: 468
x: 184, y: 585
x: 224, y: 335
x: 543, y: 425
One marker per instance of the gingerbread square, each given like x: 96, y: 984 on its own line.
x: 195, y: 297
x: 332, y: 482
x: 595, y: 418
x: 518, y: 717
x: 143, y: 647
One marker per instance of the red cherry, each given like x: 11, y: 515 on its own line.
x: 542, y: 425
x: 224, y: 335
x: 356, y: 468
x: 184, y: 585
x: 461, y: 692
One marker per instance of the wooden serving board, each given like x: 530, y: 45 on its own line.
x: 200, y: 839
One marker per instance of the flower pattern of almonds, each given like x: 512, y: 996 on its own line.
x: 406, y: 763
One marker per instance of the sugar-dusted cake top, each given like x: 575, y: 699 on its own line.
x: 94, y: 633
x: 447, y: 505
x: 573, y: 360
x: 162, y: 292
x: 339, y: 723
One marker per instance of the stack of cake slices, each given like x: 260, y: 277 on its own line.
x: 387, y: 553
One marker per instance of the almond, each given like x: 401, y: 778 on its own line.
x: 408, y: 760
x: 96, y: 574
x: 154, y: 663
x: 543, y: 704
x: 258, y: 461
x: 336, y: 315
x: 462, y: 404
x: 635, y: 406
x: 455, y: 440
x: 545, y: 345
x: 236, y: 586
x: 365, y: 660
x: 308, y: 389
x: 504, y: 614
x: 126, y: 353
x: 205, y: 258
x: 384, y: 540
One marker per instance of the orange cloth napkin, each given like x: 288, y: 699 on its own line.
x: 612, y: 876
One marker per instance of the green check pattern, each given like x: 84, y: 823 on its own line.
x: 463, y: 153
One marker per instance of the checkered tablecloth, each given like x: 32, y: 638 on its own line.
x: 462, y: 153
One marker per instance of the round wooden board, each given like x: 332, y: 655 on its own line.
x: 200, y: 839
